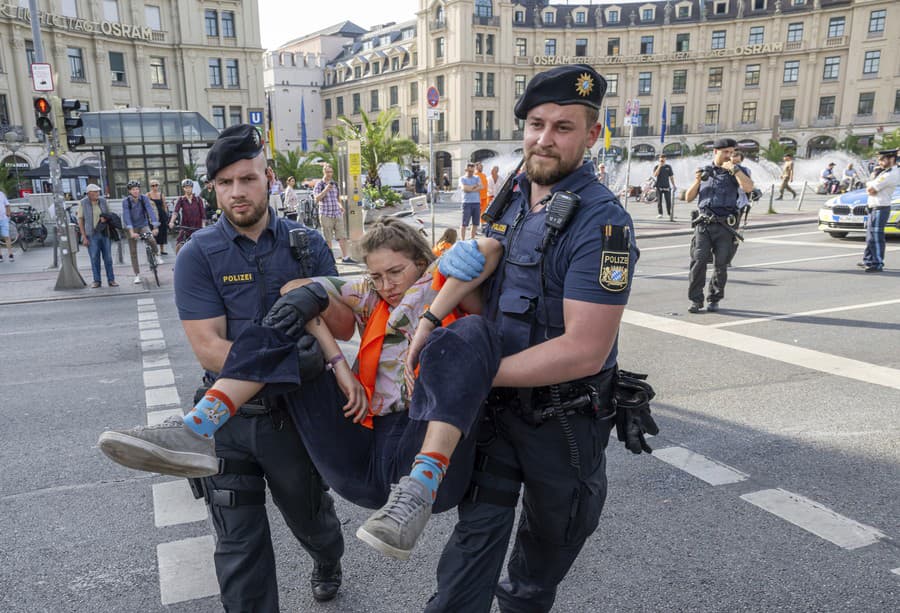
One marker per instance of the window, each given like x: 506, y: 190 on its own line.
x: 721, y: 7
x: 711, y: 117
x: 644, y: 115
x: 795, y: 32
x: 29, y: 54
x: 871, y: 62
x: 751, y: 75
x: 612, y: 16
x: 613, y: 116
x: 376, y: 67
x: 718, y: 39
x: 357, y: 72
x: 373, y: 100
x: 612, y: 46
x: 684, y: 11
x: 211, y: 21
x: 682, y: 42
x: 479, y: 123
x: 4, y: 110
x: 580, y: 18
x: 153, y: 17
x: 157, y: 71
x: 519, y: 85
x: 228, y: 24
x: 218, y: 117
x: 647, y: 15
x: 439, y: 84
x: 832, y: 69
x: 786, y: 110
x: 679, y: 81
x: 232, y: 75
x: 876, y: 21
x: 235, y: 115
x: 414, y: 129
x: 489, y: 85
x: 748, y: 112
x: 757, y: 34
x: 395, y: 127
x: 328, y: 108
x: 413, y: 93
x: 866, y: 103
x: 646, y: 45
x: 676, y: 118
x: 479, y: 44
x: 759, y: 5
x: 715, y: 77
x: 439, y: 16
x: 645, y: 83
x: 612, y: 85
x: 395, y: 63
x: 117, y: 67
x: 76, y: 64
x: 896, y: 102
x: 484, y: 8
x: 479, y: 84
x: 215, y: 72
x: 394, y: 95
x: 791, y: 71
x: 69, y: 8
x: 581, y: 46
x: 550, y: 46
x: 356, y: 104
x: 339, y: 106
x: 836, y: 27
x: 519, y: 17
x: 521, y: 47
x: 826, y: 107
x: 110, y: 10
x: 549, y: 18
x: 439, y: 47
x: 489, y: 44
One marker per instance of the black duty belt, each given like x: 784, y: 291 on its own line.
x: 254, y: 408
x: 589, y: 396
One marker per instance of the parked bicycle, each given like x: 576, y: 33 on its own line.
x: 152, y: 258
x: 309, y: 212
x: 27, y: 226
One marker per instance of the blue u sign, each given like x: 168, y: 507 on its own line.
x: 256, y: 118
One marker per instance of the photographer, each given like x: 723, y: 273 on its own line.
x: 715, y: 227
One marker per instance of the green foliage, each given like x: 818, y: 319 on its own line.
x: 8, y: 182
x: 381, y: 196
x: 190, y: 171
x: 298, y: 165
x: 775, y: 152
x: 378, y: 143
x: 889, y: 140
x: 851, y: 144
x: 698, y: 149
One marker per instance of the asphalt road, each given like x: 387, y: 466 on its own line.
x: 774, y: 486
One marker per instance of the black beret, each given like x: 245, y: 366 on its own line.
x: 891, y: 153
x: 724, y: 143
x: 574, y: 84
x: 240, y: 142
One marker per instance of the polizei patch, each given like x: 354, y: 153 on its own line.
x: 244, y: 277
x: 614, y: 270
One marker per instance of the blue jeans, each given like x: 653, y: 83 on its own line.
x: 100, y: 245
x: 873, y: 257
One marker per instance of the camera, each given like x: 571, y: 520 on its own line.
x: 706, y: 172
x: 755, y: 194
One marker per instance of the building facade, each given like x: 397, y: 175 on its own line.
x: 807, y: 72
x: 124, y: 54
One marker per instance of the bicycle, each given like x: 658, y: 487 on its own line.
x: 29, y: 226
x: 184, y: 235
x: 152, y: 258
x: 309, y: 212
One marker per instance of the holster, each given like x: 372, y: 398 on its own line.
x: 590, y: 396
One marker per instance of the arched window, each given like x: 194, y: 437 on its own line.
x: 484, y: 8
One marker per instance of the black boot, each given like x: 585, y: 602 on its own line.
x: 325, y: 581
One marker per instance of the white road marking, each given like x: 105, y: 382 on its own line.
x: 779, y: 236
x: 173, y: 504
x: 148, y: 316
x: 816, y: 518
x: 159, y: 378
x: 759, y: 265
x: 150, y: 324
x: 158, y: 417
x: 161, y: 396
x: 150, y: 335
x: 850, y: 307
x: 146, y: 308
x: 896, y: 571
x: 156, y: 361
x: 705, y: 469
x: 145, y: 301
x: 782, y: 352
x: 186, y: 569
x: 775, y: 241
x: 159, y: 345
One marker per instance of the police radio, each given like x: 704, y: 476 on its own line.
x: 559, y: 212
x: 299, y: 240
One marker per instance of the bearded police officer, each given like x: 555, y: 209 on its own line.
x: 556, y: 300
x: 715, y: 228
x: 880, y: 190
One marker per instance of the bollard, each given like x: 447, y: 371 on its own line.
x: 802, y: 193
x: 771, y: 199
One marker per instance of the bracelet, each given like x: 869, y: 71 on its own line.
x: 432, y: 318
x: 330, y: 364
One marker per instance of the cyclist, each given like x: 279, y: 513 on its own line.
x: 192, y: 214
x: 138, y: 217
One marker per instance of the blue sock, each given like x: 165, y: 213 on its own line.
x: 428, y: 469
x: 210, y: 413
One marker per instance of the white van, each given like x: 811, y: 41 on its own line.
x: 394, y: 176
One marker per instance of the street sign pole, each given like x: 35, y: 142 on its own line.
x: 432, y: 97
x: 630, y: 111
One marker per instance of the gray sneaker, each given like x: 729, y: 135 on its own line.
x: 169, y: 448
x: 394, y: 528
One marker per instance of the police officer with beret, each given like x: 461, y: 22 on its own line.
x: 556, y: 300
x: 715, y: 228
x: 880, y: 189
x: 227, y: 277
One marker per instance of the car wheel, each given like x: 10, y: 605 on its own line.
x: 838, y: 234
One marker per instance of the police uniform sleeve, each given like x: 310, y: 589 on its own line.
x: 196, y: 294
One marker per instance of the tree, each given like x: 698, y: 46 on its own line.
x: 851, y: 144
x: 296, y: 164
x: 889, y: 140
x: 8, y: 183
x: 776, y: 151
x: 190, y: 171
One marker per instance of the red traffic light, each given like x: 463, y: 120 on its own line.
x: 42, y: 105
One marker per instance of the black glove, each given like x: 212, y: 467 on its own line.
x: 310, y: 359
x: 291, y: 312
x: 633, y: 420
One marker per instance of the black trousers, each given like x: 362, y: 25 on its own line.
x: 711, y: 242
x: 664, y: 192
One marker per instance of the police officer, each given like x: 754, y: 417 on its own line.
x: 556, y: 298
x: 228, y: 276
x: 719, y: 186
x: 880, y: 190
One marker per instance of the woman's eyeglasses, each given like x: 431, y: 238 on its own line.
x: 392, y: 277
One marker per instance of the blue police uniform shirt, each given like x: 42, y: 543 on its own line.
x: 719, y: 193
x: 572, y: 267
x: 221, y: 272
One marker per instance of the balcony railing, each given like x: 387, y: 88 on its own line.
x: 485, y: 134
x: 485, y: 21
x: 518, y: 134
x: 824, y: 122
x: 677, y: 129
x: 794, y: 45
x: 440, y: 137
x: 836, y: 41
x: 644, y: 130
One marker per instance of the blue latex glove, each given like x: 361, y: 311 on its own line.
x: 463, y: 261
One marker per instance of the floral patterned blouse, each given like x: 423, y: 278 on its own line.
x: 390, y: 394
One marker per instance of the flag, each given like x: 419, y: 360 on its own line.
x: 303, y: 144
x: 662, y: 124
x: 607, y: 135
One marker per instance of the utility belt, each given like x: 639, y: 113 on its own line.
x: 590, y: 396
x: 698, y: 218
x: 255, y: 407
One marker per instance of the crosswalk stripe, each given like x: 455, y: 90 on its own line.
x: 151, y: 335
x: 144, y: 301
x: 148, y: 315
x: 159, y: 345
x: 705, y: 469
x: 159, y: 378
x: 161, y: 396
x: 174, y: 504
x: 157, y: 417
x: 186, y: 569
x: 815, y: 518
x: 146, y: 308
x: 150, y: 324
x: 156, y: 361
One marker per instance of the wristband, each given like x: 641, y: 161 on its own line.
x: 432, y: 318
x: 330, y: 364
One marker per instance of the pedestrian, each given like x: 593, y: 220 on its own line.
x: 552, y: 356
x: 787, y: 175
x: 291, y: 200
x: 190, y: 213
x: 162, y: 214
x: 208, y: 195
x: 483, y: 192
x: 665, y: 185
x: 276, y: 189
x: 331, y: 212
x: 445, y: 182
x: 139, y: 217
x: 96, y: 230
x: 880, y: 190
x: 494, y: 183
x: 470, y: 186
x: 602, y: 175
x: 4, y: 226
x: 227, y: 278
x: 447, y: 240
x: 715, y: 223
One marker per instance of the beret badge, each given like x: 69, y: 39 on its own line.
x: 584, y: 85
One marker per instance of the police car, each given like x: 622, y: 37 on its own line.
x: 847, y: 213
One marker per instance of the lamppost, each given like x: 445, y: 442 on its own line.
x: 14, y: 144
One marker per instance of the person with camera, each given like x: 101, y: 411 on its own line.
x: 94, y: 223
x: 664, y: 181
x: 715, y: 223
x: 331, y: 212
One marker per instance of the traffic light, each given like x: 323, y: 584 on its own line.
x: 42, y: 112
x: 73, y: 123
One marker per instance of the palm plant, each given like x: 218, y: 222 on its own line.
x: 378, y: 142
x: 296, y: 164
x: 776, y: 151
x: 8, y: 183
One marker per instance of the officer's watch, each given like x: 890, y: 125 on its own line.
x: 432, y: 318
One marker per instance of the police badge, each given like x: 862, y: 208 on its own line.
x: 615, y: 259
